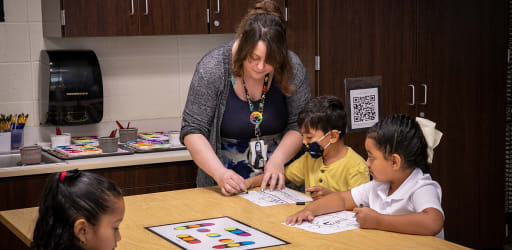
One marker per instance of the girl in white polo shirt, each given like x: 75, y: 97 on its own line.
x: 402, y: 197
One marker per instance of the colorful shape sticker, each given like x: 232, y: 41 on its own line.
x: 194, y: 226
x: 188, y: 238
x: 236, y: 244
x: 237, y: 231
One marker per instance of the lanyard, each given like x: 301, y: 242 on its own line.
x: 256, y: 117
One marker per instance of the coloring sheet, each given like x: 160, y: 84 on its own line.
x: 215, y: 233
x: 331, y: 223
x: 277, y: 197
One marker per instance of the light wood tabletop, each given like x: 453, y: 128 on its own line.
x: 203, y: 203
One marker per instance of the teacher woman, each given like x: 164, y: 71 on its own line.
x: 240, y: 116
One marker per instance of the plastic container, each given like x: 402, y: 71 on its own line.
x: 127, y: 134
x: 61, y: 140
x: 30, y: 155
x: 108, y: 144
x: 174, y: 138
x: 16, y: 139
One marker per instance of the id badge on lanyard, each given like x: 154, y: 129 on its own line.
x: 257, y: 155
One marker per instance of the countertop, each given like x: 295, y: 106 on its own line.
x: 98, y: 163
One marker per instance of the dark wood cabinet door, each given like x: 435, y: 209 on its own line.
x: 160, y: 17
x: 100, y: 18
x: 225, y: 15
x: 367, y: 38
x: 462, y: 62
x: 301, y: 32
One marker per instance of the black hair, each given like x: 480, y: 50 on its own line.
x: 67, y: 197
x: 400, y: 134
x: 324, y: 113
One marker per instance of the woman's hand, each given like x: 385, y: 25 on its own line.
x: 274, y: 174
x: 318, y: 192
x: 366, y: 217
x: 230, y: 183
x: 299, y: 217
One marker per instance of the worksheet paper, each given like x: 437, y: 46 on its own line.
x: 331, y: 223
x: 277, y: 197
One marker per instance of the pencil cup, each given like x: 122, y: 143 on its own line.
x: 61, y: 140
x: 30, y: 155
x: 127, y: 134
x: 16, y: 139
x: 108, y: 144
x: 174, y: 138
x: 5, y: 141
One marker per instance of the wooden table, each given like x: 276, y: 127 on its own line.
x: 202, y: 203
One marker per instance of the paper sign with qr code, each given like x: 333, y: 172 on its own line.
x: 364, y: 107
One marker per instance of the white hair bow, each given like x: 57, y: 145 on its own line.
x: 432, y: 135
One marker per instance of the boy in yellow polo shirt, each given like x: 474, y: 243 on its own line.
x: 328, y: 164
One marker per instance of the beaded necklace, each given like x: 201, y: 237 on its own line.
x: 256, y: 117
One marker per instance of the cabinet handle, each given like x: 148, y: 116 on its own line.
x: 133, y: 10
x: 147, y: 8
x: 218, y: 7
x: 426, y: 89
x: 413, y: 98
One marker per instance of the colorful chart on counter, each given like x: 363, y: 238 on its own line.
x: 277, y: 197
x: 161, y: 136
x: 78, y: 150
x: 88, y: 140
x: 215, y: 233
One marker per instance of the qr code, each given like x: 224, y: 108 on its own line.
x: 364, y: 108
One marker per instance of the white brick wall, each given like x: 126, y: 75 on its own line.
x: 145, y: 78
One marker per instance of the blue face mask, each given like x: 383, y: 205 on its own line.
x: 314, y: 149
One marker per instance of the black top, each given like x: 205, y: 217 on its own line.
x: 236, y: 125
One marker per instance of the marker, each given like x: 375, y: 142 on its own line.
x: 245, y: 191
x: 300, y: 203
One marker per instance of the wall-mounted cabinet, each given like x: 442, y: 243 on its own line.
x: 225, y: 15
x: 76, y: 18
x: 89, y: 18
x: 83, y: 18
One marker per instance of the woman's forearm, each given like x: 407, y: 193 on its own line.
x: 288, y: 147
x: 203, y: 155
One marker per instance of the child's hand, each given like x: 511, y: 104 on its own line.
x: 297, y: 218
x: 318, y: 192
x: 366, y: 217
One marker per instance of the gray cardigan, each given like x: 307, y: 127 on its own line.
x: 208, y: 94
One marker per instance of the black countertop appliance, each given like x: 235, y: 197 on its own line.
x: 71, y: 87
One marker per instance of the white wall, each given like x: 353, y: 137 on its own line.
x: 145, y: 78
